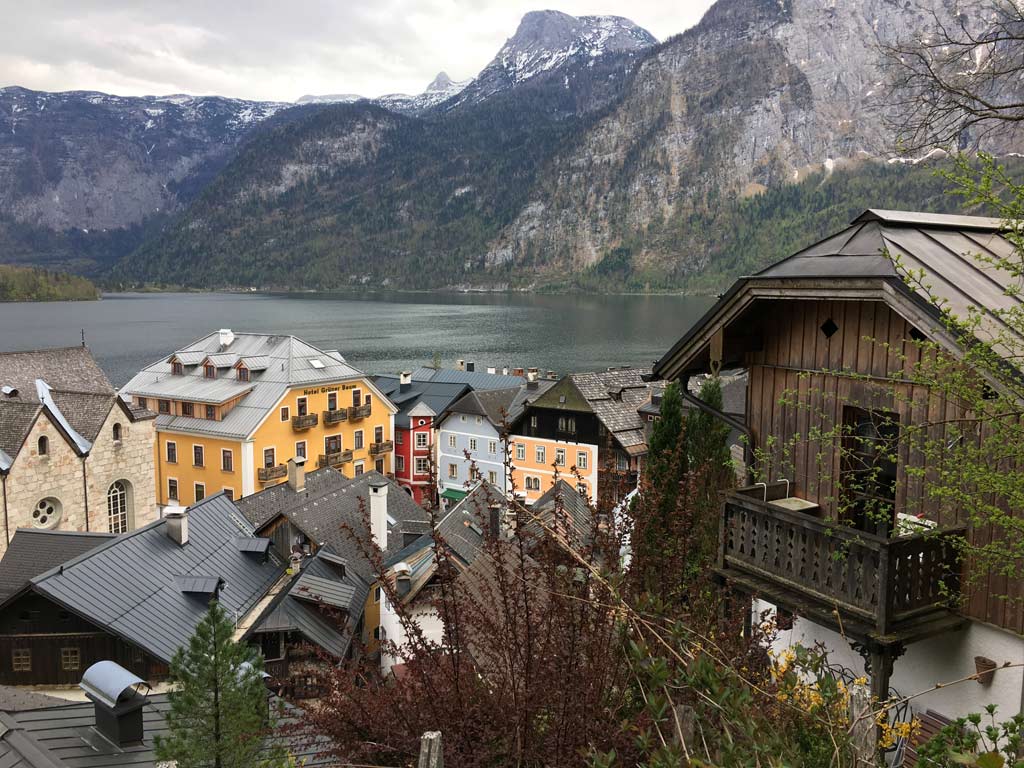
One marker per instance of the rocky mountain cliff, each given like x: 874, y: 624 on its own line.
x: 583, y: 154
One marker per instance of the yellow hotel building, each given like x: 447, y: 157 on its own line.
x: 232, y: 409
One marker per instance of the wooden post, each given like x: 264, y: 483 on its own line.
x: 431, y: 752
x: 863, y: 735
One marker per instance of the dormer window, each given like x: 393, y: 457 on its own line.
x: 177, y: 368
x: 210, y: 371
x: 243, y: 374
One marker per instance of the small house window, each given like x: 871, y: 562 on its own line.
x: 142, y: 402
x: 164, y: 406
x: 243, y: 374
x: 400, y: 463
x: 211, y: 412
x: 301, y: 406
x: 492, y: 446
x: 284, y: 413
x: 210, y: 371
x: 172, y: 489
x: 70, y: 659
x: 117, y: 432
x: 366, y: 400
x: 230, y: 493
x: 492, y: 477
x: 188, y: 409
x: 378, y: 434
x: 421, y: 439
x: 200, y: 491
x: 357, y: 439
x: 357, y: 397
x: 378, y: 465
x: 332, y: 401
x: 21, y: 659
x: 359, y: 468
x: 451, y: 441
x: 117, y: 507
x: 422, y: 465
x: 533, y: 422
x: 177, y: 368
x: 560, y: 457
x: 227, y: 460
x: 269, y: 458
x: 453, y: 471
x: 520, y: 451
x: 300, y: 449
x: 43, y: 445
x: 541, y: 454
x: 582, y: 459
x: 198, y: 456
x: 172, y: 452
x: 399, y: 439
x: 472, y: 443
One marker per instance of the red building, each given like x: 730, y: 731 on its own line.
x: 420, y: 404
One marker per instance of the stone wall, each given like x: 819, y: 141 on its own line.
x: 59, y: 475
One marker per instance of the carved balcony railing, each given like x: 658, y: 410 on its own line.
x: 335, y: 459
x: 336, y: 416
x: 386, y: 446
x: 359, y: 412
x: 879, y: 586
x: 266, y: 474
x: 305, y: 422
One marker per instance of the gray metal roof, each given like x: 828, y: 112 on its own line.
x: 198, y: 585
x: 479, y: 380
x: 282, y: 362
x: 34, y: 551
x: 130, y: 586
x: 332, y: 509
x: 109, y: 682
x: 437, y: 396
x: 63, y: 737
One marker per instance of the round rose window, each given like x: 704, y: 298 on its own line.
x: 47, y: 513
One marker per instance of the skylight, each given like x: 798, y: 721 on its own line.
x: 316, y: 363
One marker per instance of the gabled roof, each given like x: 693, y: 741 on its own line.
x: 32, y: 552
x: 562, y: 504
x: 66, y: 383
x: 62, y: 736
x: 276, y: 364
x: 421, y: 398
x: 478, y: 380
x: 130, y: 586
x: 493, y: 405
x: 854, y: 260
x: 331, y: 511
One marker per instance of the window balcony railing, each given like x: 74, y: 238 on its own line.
x: 266, y: 474
x: 776, y: 547
x: 305, y: 422
x: 335, y: 459
x: 359, y: 412
x: 336, y: 416
x: 383, y: 447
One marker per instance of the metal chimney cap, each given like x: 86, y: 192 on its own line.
x: 107, y: 682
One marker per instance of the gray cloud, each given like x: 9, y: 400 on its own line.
x: 262, y: 49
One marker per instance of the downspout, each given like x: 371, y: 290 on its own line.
x: 7, y: 532
x: 85, y: 491
x: 734, y: 423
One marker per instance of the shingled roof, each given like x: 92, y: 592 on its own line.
x: 436, y: 396
x: 331, y: 510
x: 130, y: 586
x: 35, y: 551
x: 77, y: 393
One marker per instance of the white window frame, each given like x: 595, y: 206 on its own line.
x: 305, y: 449
x: 358, y: 468
x: 422, y: 440
x: 492, y: 477
x: 452, y: 440
x: 492, y: 447
x: 177, y: 489
x: 358, y: 440
x: 400, y: 463
x: 540, y: 454
x: 167, y: 455
x: 453, y: 471
x: 582, y: 460
x: 202, y: 449
x: 520, y: 451
x: 472, y: 443
x: 559, y: 457
x: 230, y: 453
x: 196, y: 485
x: 302, y: 404
x: 273, y: 454
x: 422, y: 465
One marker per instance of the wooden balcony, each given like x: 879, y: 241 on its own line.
x: 358, y: 412
x: 875, y: 589
x: 305, y: 422
x: 334, y: 459
x: 336, y: 416
x: 387, y: 446
x: 266, y: 474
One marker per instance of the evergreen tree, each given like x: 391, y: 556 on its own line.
x: 707, y: 437
x: 218, y: 713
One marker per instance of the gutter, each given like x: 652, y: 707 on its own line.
x: 731, y: 421
x: 7, y: 530
x: 85, y: 492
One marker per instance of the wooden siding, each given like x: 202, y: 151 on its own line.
x: 797, y: 387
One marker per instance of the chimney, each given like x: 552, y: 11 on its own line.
x: 552, y: 375
x: 117, y: 703
x: 177, y: 525
x: 404, y: 381
x: 492, y: 370
x: 518, y: 371
x: 504, y: 370
x: 379, y: 512
x: 494, y: 519
x: 470, y: 366
x: 531, y: 375
x: 460, y: 365
x: 403, y: 579
x: 532, y: 385
x: 226, y: 337
x: 297, y: 474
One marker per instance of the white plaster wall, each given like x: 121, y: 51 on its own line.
x: 939, y: 659
x: 423, y: 614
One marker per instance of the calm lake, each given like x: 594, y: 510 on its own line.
x: 380, y: 333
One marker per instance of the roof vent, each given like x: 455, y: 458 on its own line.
x: 226, y: 337
x: 316, y: 363
x: 403, y: 578
x: 492, y: 370
x: 9, y: 391
x: 117, y: 701
x: 177, y: 525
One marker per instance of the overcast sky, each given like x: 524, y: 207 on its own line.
x: 275, y: 49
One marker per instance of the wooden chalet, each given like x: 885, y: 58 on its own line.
x: 833, y: 328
